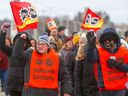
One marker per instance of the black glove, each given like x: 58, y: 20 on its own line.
x: 113, y: 64
x: 91, y: 38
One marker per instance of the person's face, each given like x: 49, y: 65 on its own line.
x: 8, y: 42
x: 69, y: 44
x: 54, y: 32
x: 109, y: 44
x: 61, y: 33
x: 42, y: 47
x: 33, y: 43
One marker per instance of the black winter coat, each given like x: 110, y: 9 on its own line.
x: 85, y: 82
x: 16, y: 70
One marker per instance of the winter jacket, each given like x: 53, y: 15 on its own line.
x: 59, y: 43
x: 70, y: 64
x: 93, y: 55
x: 64, y: 78
x: 3, y: 61
x: 85, y: 82
x: 65, y: 53
x: 63, y: 38
x: 15, y: 70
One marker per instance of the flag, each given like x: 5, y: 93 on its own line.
x: 51, y: 24
x: 24, y: 14
x: 92, y: 21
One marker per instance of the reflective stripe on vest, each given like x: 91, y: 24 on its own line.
x: 44, y: 70
x: 113, y: 79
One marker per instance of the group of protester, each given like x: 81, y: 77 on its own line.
x: 56, y: 65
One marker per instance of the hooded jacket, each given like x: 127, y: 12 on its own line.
x: 110, y: 33
x: 15, y: 70
x: 93, y: 54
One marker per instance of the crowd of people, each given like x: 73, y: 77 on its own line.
x: 59, y: 65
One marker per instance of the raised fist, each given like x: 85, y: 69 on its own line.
x: 91, y: 37
x: 24, y: 36
x: 5, y: 26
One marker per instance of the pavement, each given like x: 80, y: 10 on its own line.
x: 1, y: 93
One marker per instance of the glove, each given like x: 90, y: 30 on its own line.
x: 5, y: 27
x: 113, y: 64
x: 91, y: 38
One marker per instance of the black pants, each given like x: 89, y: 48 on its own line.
x: 15, y: 93
x: 113, y: 93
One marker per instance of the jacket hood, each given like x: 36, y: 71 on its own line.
x: 109, y: 33
x: 18, y: 36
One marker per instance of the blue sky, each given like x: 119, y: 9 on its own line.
x: 117, y: 9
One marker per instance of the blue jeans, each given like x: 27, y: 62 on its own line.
x: 3, y: 77
x: 113, y: 93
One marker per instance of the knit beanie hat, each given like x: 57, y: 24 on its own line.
x: 61, y: 28
x: 43, y: 38
x: 76, y: 39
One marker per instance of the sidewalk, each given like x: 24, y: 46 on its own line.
x: 1, y: 93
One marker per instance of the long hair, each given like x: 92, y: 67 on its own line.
x: 9, y: 39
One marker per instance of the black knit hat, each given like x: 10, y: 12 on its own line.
x: 61, y: 28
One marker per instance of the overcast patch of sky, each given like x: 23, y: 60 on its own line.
x: 117, y: 9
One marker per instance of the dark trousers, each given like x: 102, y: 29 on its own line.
x: 3, y: 77
x: 15, y: 93
x: 113, y: 93
x: 126, y: 93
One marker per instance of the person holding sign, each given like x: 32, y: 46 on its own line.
x: 53, y: 33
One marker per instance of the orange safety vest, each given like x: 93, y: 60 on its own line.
x: 113, y: 79
x: 44, y: 70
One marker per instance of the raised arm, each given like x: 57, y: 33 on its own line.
x: 18, y: 50
x: 4, y: 28
x: 92, y: 53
